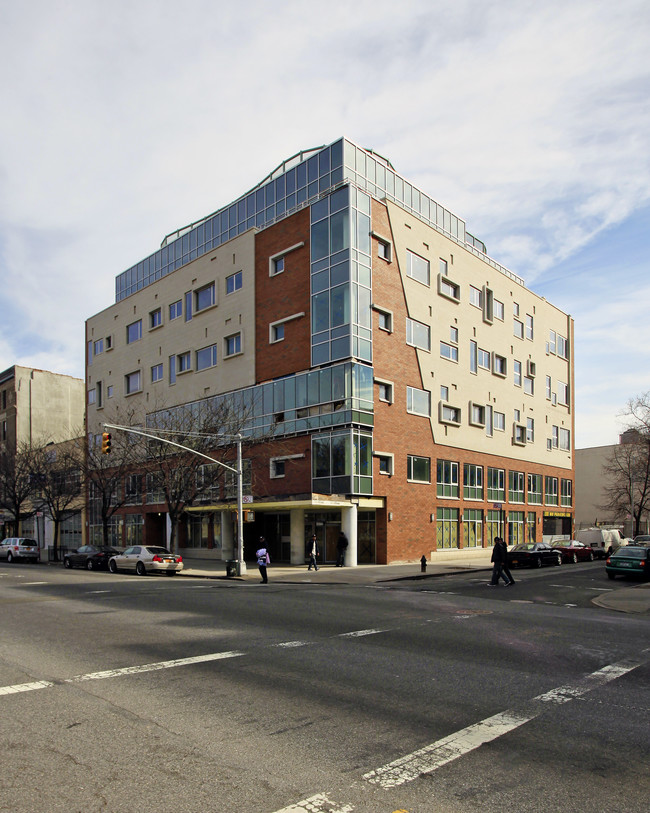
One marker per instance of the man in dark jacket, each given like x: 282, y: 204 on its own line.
x: 341, y: 547
x: 499, y: 555
x: 505, y: 570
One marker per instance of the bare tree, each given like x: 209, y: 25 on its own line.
x: 628, y: 470
x: 16, y: 485
x: 55, y: 472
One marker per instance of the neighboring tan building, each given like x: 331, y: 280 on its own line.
x: 39, y: 407
x: 420, y: 394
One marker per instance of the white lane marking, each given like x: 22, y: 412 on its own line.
x: 317, y: 804
x: 25, y: 687
x: 126, y: 670
x: 93, y: 592
x: 431, y: 757
x: 28, y: 584
x: 360, y: 633
x: 290, y: 644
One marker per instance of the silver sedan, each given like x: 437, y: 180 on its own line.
x: 143, y: 559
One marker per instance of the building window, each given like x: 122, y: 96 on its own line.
x: 476, y: 414
x: 475, y: 297
x: 516, y: 365
x: 132, y: 382
x: 277, y: 266
x: 562, y: 393
x: 548, y: 387
x: 473, y: 357
x: 565, y: 440
x: 418, y: 334
x: 277, y: 263
x: 277, y: 333
x: 418, y: 469
x: 385, y: 391
x: 446, y: 528
x: 566, y: 493
x: 385, y: 463
x: 529, y: 326
x: 484, y: 359
x: 183, y: 362
x: 384, y: 250
x: 550, y: 344
x: 550, y: 490
x: 518, y: 328
x: 473, y: 527
x: 109, y: 391
x: 535, y: 489
x: 516, y: 527
x: 155, y: 318
x: 519, y: 434
x: 99, y: 346
x: 206, y: 357
x: 496, y: 485
x: 499, y: 365
x: 91, y: 397
x: 530, y: 430
x: 134, y: 331
x: 499, y: 421
x: 447, y: 478
x: 450, y: 351
x: 232, y: 345
x: 562, y: 347
x: 133, y: 489
x: 277, y: 468
x: 417, y: 267
x: 472, y: 482
x: 443, y: 267
x: 448, y: 289
x: 529, y: 385
x: 384, y: 319
x: 234, y: 282
x: 156, y: 373
x: 516, y: 486
x: 449, y: 414
x: 499, y: 310
x: 418, y: 402
x: 176, y: 310
x: 204, y: 297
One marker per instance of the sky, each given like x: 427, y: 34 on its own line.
x: 123, y: 121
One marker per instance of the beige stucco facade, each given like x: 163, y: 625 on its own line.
x: 487, y: 387
x: 111, y: 358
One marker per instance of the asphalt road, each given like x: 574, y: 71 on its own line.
x: 121, y: 693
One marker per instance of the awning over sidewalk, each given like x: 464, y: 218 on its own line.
x: 313, y: 501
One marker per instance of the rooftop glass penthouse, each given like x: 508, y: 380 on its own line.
x: 298, y: 182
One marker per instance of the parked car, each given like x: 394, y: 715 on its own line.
x: 15, y: 547
x: 145, y: 559
x: 632, y: 560
x: 92, y: 557
x: 642, y: 539
x: 574, y: 551
x: 534, y: 554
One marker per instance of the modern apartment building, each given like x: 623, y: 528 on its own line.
x: 419, y: 395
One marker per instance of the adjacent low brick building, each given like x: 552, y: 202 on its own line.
x: 419, y: 395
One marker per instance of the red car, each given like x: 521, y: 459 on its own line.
x: 574, y: 551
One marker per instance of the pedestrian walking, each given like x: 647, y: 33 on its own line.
x: 497, y: 563
x: 505, y: 570
x: 341, y: 547
x: 263, y: 559
x: 312, y: 552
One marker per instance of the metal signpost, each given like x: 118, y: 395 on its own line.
x: 241, y: 564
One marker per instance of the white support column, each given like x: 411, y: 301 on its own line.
x: 349, y: 528
x: 297, y: 533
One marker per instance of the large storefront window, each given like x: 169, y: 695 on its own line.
x: 515, y: 527
x: 447, y: 528
x: 473, y: 528
x: 493, y: 525
x: 133, y: 529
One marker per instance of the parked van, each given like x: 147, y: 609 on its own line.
x: 601, y: 539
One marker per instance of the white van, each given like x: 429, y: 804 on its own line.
x: 601, y: 539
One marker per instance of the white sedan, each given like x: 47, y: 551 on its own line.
x: 143, y: 559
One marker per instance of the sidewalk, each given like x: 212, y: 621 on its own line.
x: 634, y: 598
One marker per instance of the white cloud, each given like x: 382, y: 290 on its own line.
x: 124, y: 121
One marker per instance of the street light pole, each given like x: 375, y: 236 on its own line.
x: 241, y: 564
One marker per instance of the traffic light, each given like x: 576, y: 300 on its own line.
x: 106, y: 442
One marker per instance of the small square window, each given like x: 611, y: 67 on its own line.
x: 157, y: 372
x: 234, y: 283
x: 278, y: 265
x: 385, y: 463
x: 277, y: 333
x: 384, y: 250
x: 233, y: 344
x: 176, y: 310
x: 155, y: 318
x: 385, y: 391
x: 277, y: 468
x: 384, y: 320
